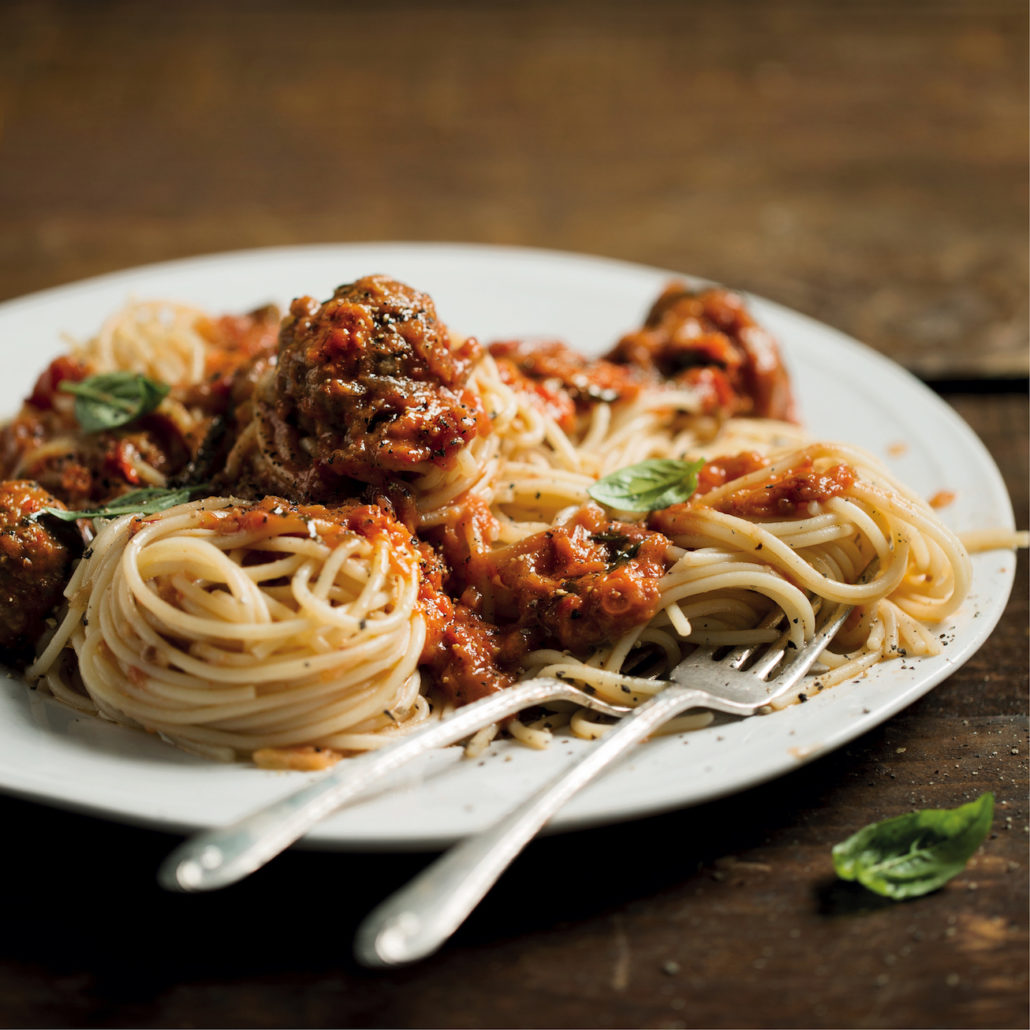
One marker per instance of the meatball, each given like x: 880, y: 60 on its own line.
x: 370, y: 375
x: 369, y: 387
x: 35, y: 563
x: 708, y: 340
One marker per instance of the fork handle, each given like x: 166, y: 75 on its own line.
x: 417, y: 919
x: 222, y: 856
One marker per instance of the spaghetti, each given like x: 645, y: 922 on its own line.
x: 230, y: 628
x: 406, y: 521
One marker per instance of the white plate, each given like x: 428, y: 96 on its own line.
x: 847, y: 392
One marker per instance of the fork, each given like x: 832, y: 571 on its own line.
x: 222, y: 856
x: 416, y: 920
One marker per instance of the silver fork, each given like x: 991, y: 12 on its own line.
x: 216, y: 858
x: 417, y: 919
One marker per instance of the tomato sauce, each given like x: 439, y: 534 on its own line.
x: 465, y: 656
x: 561, y: 382
x: 275, y: 516
x: 687, y: 331
x: 577, y: 585
x: 790, y: 495
x: 581, y: 582
x: 787, y: 494
x: 58, y: 371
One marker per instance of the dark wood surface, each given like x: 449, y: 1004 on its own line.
x: 862, y: 162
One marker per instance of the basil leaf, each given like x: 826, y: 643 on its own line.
x: 648, y: 486
x: 138, y: 502
x: 113, y: 399
x: 916, y: 853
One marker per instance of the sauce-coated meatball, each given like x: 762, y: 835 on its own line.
x: 707, y: 340
x: 374, y: 380
x: 35, y: 561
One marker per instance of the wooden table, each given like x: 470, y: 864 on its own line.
x: 864, y: 163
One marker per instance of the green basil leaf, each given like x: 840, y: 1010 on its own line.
x: 916, y: 853
x: 113, y: 399
x: 648, y: 486
x: 137, y: 502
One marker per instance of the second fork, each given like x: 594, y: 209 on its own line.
x: 221, y: 856
x: 417, y: 919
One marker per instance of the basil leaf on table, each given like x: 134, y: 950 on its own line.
x: 113, y: 399
x: 147, y: 501
x: 648, y: 485
x: 916, y: 853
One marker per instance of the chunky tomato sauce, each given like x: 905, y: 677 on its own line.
x: 59, y: 370
x: 561, y: 382
x: 789, y: 496
x: 785, y: 495
x: 466, y: 656
x: 720, y: 471
x: 581, y: 582
x: 275, y: 516
x: 707, y: 339
x: 577, y: 585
